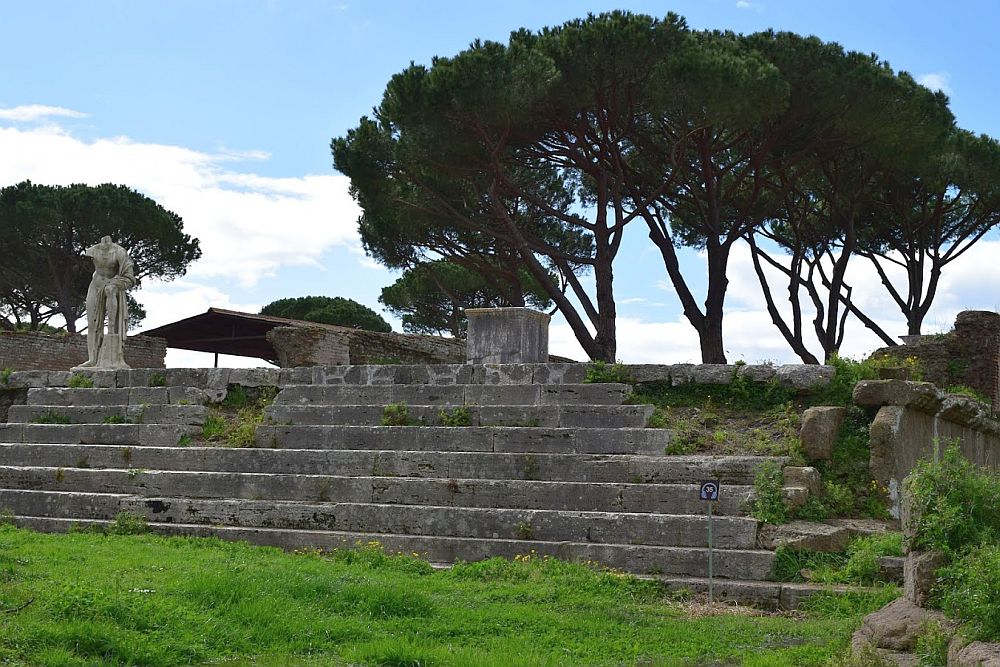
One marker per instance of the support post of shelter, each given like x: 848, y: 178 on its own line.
x: 507, y: 336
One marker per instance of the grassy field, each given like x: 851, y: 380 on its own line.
x: 95, y: 599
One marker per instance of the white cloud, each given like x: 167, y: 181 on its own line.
x: 743, y: 4
x: 33, y: 112
x: 936, y: 81
x: 249, y: 225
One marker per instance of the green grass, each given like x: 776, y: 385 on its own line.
x: 140, y: 599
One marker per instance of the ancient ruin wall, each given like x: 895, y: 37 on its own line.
x: 31, y: 350
x: 916, y: 421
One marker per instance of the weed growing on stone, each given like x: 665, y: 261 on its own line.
x: 455, y: 417
x: 157, y: 380
x: 768, y: 503
x: 857, y: 565
x: 116, y: 419
x: 52, y: 417
x: 525, y: 531
x: 184, y: 441
x: 970, y: 588
x: 5, y: 374
x: 969, y: 392
x: 932, y: 645
x: 397, y: 414
x: 601, y: 371
x: 126, y: 523
x: 80, y: 381
x: 214, y: 427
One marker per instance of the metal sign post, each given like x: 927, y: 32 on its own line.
x: 709, y: 492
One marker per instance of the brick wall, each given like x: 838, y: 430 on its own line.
x: 968, y: 355
x: 30, y: 350
x: 329, y: 346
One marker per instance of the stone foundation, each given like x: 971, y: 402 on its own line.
x: 31, y: 350
x: 331, y: 346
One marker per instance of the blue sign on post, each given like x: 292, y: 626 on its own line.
x: 709, y: 491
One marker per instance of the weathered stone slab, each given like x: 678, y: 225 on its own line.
x: 69, y: 396
x: 922, y: 395
x: 820, y: 428
x: 805, y: 477
x: 920, y: 575
x: 804, y: 536
x: 804, y: 376
x: 584, y: 394
x: 896, y: 626
x: 973, y: 654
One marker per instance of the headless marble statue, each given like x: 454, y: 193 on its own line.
x: 114, y: 275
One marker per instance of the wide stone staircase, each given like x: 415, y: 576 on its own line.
x: 481, y: 461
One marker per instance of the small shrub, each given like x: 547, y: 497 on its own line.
x: 236, y: 397
x: 5, y: 374
x: 956, y: 504
x: 970, y: 589
x: 932, y: 645
x: 525, y: 531
x: 157, y: 380
x: 964, y: 390
x: 126, y: 523
x: 814, y: 509
x: 396, y: 414
x: 602, y: 371
x: 658, y: 419
x: 456, y: 417
x: 243, y: 432
x: 214, y: 427
x: 80, y: 381
x: 768, y: 505
x: 184, y: 440
x: 52, y: 418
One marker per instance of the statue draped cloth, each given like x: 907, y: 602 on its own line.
x: 114, y: 275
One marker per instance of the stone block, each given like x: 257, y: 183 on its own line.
x: 820, y: 428
x: 29, y: 379
x: 794, y: 496
x: 962, y: 653
x: 921, y: 395
x: 146, y: 395
x: 508, y: 373
x: 254, y: 377
x: 507, y: 336
x: 920, y: 575
x: 649, y: 372
x: 681, y: 373
x: 804, y: 536
x: 896, y: 626
x: 804, y: 376
x: 805, y: 477
x: 757, y: 372
x: 891, y: 568
x: 713, y: 373
x: 297, y: 375
x: 554, y: 373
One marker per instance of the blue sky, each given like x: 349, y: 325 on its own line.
x: 223, y: 111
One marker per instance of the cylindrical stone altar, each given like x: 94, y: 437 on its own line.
x: 507, y: 336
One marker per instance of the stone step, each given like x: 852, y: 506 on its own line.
x: 457, y: 492
x: 66, y: 396
x: 728, y: 563
x: 139, y: 435
x: 154, y: 413
x: 473, y: 438
x: 736, y: 473
x: 484, y: 523
x: 555, y: 416
x: 454, y: 395
x: 773, y: 595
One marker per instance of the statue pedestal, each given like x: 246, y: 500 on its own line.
x: 507, y: 336
x: 112, y: 353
